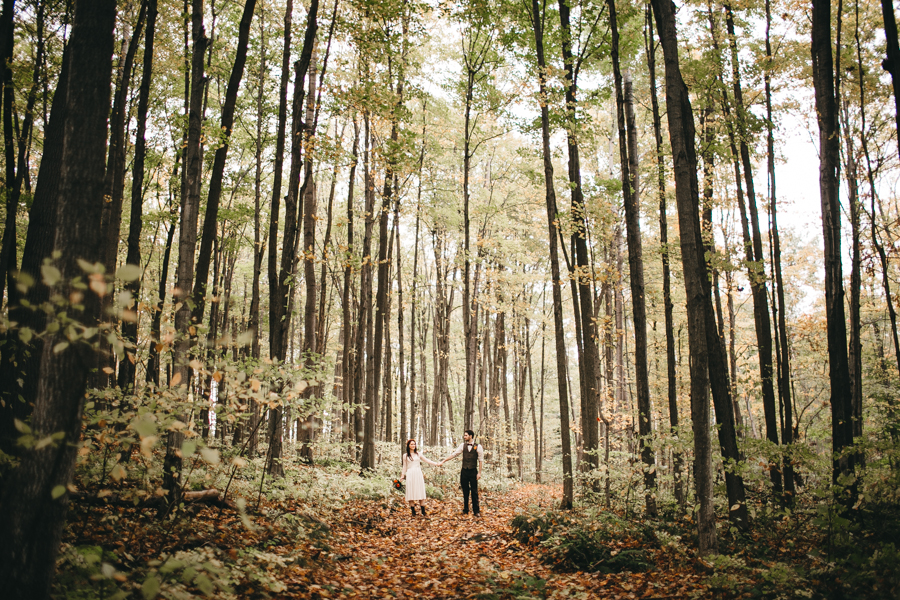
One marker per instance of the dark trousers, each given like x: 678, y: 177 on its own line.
x: 468, y: 479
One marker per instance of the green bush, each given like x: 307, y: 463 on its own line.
x: 583, y: 542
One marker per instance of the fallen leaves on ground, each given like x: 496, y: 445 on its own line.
x: 379, y: 550
x: 363, y: 549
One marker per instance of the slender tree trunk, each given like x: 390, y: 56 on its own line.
x: 784, y: 364
x: 21, y: 361
x: 127, y: 371
x: 8, y: 248
x: 187, y: 242
x: 35, y: 499
x: 259, y: 242
x: 590, y: 380
x: 310, y: 326
x: 755, y: 257
x: 631, y: 200
x: 211, y: 218
x: 114, y: 191
x: 668, y: 307
x: 891, y: 63
x: 348, y: 362
x: 568, y: 483
x: 681, y: 136
x: 829, y: 151
x: 276, y: 302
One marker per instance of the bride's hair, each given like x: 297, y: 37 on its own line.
x: 407, y: 448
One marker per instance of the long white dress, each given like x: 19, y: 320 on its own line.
x: 415, y: 481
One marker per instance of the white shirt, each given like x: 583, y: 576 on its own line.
x: 459, y: 450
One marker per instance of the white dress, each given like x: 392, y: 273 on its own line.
x: 415, y: 481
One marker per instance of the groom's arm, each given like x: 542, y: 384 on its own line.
x: 480, y: 461
x: 456, y: 453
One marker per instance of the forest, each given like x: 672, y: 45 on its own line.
x: 251, y: 248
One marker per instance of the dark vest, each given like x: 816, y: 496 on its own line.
x: 469, y: 457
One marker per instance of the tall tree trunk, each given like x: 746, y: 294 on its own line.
x: 784, y: 363
x: 855, y: 348
x: 187, y: 242
x: 114, y: 191
x: 35, y: 499
x: 476, y: 45
x: 307, y: 432
x: 681, y: 137
x: 755, y: 257
x: 363, y: 341
x: 276, y: 303
x: 537, y: 23
x: 829, y: 150
x: 127, y: 371
x: 8, y: 248
x: 348, y: 361
x: 21, y: 361
x: 891, y: 63
x: 628, y: 148
x: 587, y: 325
x: 668, y: 307
x: 211, y: 218
x: 879, y: 247
x: 259, y: 241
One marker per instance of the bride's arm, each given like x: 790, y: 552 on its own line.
x: 404, y: 467
x: 429, y: 461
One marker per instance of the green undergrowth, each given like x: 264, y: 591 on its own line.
x: 593, y: 541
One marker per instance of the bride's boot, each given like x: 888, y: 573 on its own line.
x: 413, y: 510
x: 422, y: 506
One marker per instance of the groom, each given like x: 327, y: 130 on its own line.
x: 472, y: 462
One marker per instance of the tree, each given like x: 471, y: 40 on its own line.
x: 687, y: 195
x: 35, y: 501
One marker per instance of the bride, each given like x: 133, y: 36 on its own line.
x: 415, y: 486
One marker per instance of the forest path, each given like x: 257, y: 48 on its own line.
x: 378, y: 550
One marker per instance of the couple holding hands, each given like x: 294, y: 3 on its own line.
x: 472, y: 462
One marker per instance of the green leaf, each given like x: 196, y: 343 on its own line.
x: 21, y: 426
x: 205, y: 585
x: 150, y: 588
x: 50, y: 275
x: 25, y: 334
x: 144, y: 427
x: 188, y: 447
x: 58, y: 491
x: 60, y: 347
x: 128, y: 272
x: 209, y: 455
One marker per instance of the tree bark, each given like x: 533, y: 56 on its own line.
x: 681, y: 136
x: 187, y: 242
x: 211, y: 218
x: 127, y: 371
x: 590, y: 381
x: 829, y: 150
x: 668, y: 307
x: 35, y: 499
x: 628, y: 148
x: 550, y: 196
x: 891, y: 63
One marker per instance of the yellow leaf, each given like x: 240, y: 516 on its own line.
x: 118, y: 472
x: 176, y: 379
x: 109, y: 370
